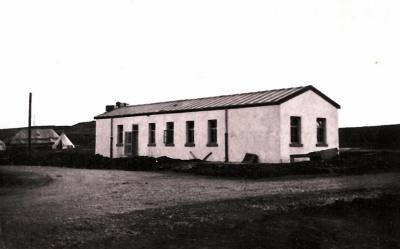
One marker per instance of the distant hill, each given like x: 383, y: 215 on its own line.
x: 378, y: 137
x: 81, y: 134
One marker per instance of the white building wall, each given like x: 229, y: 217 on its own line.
x: 103, y: 137
x: 251, y: 130
x: 254, y: 130
x: 200, y: 150
x: 309, y: 106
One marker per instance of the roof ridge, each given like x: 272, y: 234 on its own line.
x: 218, y: 96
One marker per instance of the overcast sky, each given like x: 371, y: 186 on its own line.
x: 76, y: 56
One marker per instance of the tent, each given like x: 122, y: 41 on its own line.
x: 63, y: 143
x: 2, y: 146
x: 39, y: 138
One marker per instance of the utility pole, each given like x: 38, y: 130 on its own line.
x: 30, y: 127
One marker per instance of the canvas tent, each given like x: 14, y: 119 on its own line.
x: 2, y: 146
x: 43, y: 138
x: 63, y: 143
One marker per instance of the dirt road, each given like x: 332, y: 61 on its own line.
x: 121, y: 209
x: 88, y: 193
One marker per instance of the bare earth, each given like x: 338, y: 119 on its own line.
x: 91, y: 208
x: 88, y: 193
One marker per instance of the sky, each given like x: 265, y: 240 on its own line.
x: 77, y: 56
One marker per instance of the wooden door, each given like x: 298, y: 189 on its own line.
x: 128, y: 143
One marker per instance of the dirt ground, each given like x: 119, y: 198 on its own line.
x: 93, y: 195
x: 86, y: 193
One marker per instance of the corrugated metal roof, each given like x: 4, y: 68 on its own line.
x: 269, y: 97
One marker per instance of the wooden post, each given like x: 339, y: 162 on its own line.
x: 30, y: 127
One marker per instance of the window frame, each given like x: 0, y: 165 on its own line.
x: 295, y: 128
x: 152, y: 134
x: 120, y: 135
x: 324, y: 142
x: 212, y: 133
x: 169, y: 134
x: 190, y: 135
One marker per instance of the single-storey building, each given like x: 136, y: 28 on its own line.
x: 272, y: 124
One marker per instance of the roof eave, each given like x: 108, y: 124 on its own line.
x: 311, y: 88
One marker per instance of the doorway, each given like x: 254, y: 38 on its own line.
x: 128, y: 143
x: 135, y: 140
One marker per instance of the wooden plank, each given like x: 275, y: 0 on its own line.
x: 193, y: 155
x: 208, y: 155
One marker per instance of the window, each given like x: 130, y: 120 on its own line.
x: 152, y: 134
x: 169, y: 134
x: 321, y: 132
x: 189, y: 133
x: 120, y: 134
x: 212, y: 133
x: 295, y: 131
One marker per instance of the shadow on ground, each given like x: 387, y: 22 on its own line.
x: 22, y: 179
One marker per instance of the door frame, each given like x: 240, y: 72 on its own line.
x: 128, y: 143
x: 135, y: 140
